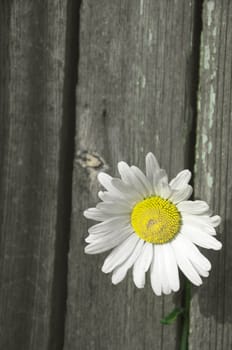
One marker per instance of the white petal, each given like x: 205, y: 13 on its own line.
x: 95, y: 214
x: 159, y: 176
x: 120, y: 253
x: 136, y: 183
x: 171, y: 267
x: 127, y: 230
x: 105, y: 243
x: 113, y: 197
x: 181, y: 195
x: 107, y: 210
x: 105, y: 181
x: 129, y: 178
x: 90, y: 238
x: 112, y: 224
x: 201, y: 238
x: 215, y: 220
x: 148, y: 189
x: 200, y: 263
x: 142, y: 264
x: 127, y: 191
x: 162, y: 188
x: 166, y: 288
x: 184, y: 263
x: 201, y: 271
x: 152, y: 166
x: 155, y: 272
x: 124, y: 171
x: 114, y: 207
x: 112, y: 238
x: 100, y: 194
x: 112, y: 185
x: 181, y: 180
x: 120, y: 272
x: 193, y: 207
x: 193, y: 253
x: 199, y: 222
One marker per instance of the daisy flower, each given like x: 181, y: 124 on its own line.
x: 149, y: 223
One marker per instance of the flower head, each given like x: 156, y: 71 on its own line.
x: 149, y: 223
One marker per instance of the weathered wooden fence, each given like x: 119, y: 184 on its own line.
x: 118, y: 79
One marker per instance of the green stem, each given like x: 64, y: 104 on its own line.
x: 186, y: 316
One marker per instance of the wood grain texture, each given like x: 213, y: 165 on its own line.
x: 211, y: 320
x: 134, y: 95
x: 32, y: 300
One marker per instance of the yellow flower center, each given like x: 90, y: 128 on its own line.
x: 156, y: 220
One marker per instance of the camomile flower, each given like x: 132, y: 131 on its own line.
x: 150, y: 224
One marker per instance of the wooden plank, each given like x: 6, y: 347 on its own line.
x: 33, y: 168
x: 134, y: 95
x: 211, y: 320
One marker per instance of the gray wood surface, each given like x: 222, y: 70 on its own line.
x: 135, y: 66
x: 32, y: 169
x: 134, y: 95
x: 211, y: 312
